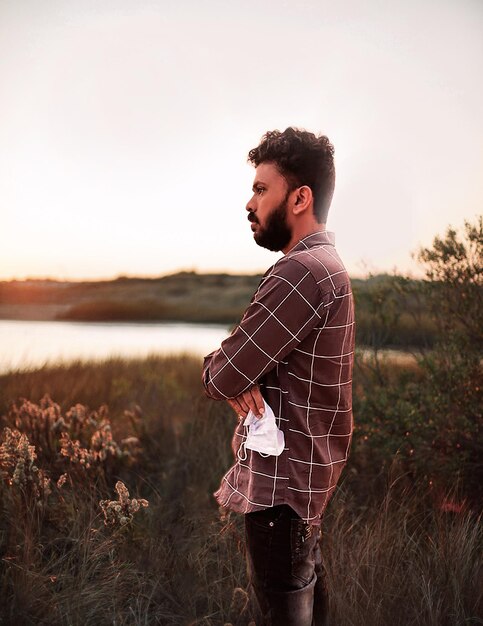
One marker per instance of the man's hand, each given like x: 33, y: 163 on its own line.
x: 249, y: 399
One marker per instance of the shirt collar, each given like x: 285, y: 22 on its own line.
x: 317, y: 238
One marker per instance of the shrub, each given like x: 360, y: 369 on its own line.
x: 431, y: 416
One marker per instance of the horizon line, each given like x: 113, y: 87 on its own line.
x: 123, y: 276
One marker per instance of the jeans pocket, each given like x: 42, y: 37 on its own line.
x: 268, y: 544
x: 303, y: 538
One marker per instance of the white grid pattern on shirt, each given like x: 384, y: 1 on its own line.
x: 325, y: 345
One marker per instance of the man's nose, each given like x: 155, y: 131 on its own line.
x: 250, y: 207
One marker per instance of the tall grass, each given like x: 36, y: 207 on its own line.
x: 392, y: 556
x: 402, y: 562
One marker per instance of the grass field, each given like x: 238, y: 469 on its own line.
x: 393, y: 554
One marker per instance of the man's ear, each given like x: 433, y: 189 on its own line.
x: 303, y: 199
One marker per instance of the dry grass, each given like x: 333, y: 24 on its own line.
x: 392, y: 558
x: 402, y: 562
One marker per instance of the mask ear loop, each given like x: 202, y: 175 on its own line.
x: 240, y: 457
x: 242, y: 446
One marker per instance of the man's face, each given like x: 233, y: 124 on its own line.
x: 268, y: 208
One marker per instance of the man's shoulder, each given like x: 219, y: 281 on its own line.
x: 324, y: 264
x: 286, y: 275
x: 287, y: 266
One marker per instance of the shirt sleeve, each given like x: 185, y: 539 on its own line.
x: 286, y: 307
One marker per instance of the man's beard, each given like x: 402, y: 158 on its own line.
x: 276, y: 233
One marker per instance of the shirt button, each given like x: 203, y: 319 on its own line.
x: 270, y: 523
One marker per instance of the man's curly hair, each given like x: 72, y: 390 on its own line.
x: 303, y: 159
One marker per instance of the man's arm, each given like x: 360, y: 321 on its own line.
x: 286, y: 307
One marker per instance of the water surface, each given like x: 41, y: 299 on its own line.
x: 31, y: 344
x: 26, y: 344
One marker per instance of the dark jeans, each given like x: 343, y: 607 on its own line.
x: 283, y: 556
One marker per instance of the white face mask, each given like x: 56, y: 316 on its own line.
x: 263, y: 435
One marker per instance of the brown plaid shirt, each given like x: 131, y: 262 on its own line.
x: 296, y: 340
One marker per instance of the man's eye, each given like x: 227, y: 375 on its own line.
x: 260, y: 190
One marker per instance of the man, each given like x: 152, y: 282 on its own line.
x: 293, y: 348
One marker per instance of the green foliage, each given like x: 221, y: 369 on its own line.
x: 392, y: 315
x: 431, y: 416
x: 454, y: 281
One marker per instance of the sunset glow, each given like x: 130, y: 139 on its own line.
x: 125, y: 126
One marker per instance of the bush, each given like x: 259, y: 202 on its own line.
x: 431, y: 416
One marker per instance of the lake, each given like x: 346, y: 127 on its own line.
x: 26, y: 344
x: 31, y: 344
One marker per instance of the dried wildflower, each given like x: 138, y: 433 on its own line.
x: 102, y: 443
x: 81, y: 436
x: 41, y: 488
x: 130, y: 441
x: 17, y: 465
x: 120, y: 512
x: 77, y: 413
x: 40, y: 422
x: 60, y: 425
x: 131, y: 446
x: 61, y: 480
x: 135, y: 417
x: 75, y: 452
x: 17, y: 458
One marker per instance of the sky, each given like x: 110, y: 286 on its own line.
x: 125, y: 127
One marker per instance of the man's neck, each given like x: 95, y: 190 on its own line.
x: 300, y: 233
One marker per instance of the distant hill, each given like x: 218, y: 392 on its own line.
x: 185, y: 296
